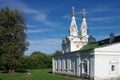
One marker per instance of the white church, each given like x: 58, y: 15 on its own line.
x: 83, y: 56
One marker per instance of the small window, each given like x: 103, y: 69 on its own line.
x: 113, y: 68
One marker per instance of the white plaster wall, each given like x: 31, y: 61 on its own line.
x: 103, y: 56
x: 92, y: 67
x: 103, y: 68
x: 73, y: 47
x: 74, y: 42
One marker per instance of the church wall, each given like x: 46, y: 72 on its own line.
x: 103, y: 65
x: 75, y: 44
x: 73, y: 47
x: 68, y: 64
x: 107, y: 57
x: 74, y: 63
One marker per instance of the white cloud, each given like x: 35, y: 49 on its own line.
x: 106, y: 18
x: 46, y: 49
x: 99, y: 9
x: 66, y: 16
x: 44, y: 45
x: 103, y: 27
x: 36, y: 14
x: 40, y: 17
x: 37, y: 31
x: 104, y: 8
x: 30, y: 10
x: 48, y: 42
x: 59, y: 35
x: 30, y: 26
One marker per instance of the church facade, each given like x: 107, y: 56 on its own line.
x: 74, y: 41
x: 84, y: 56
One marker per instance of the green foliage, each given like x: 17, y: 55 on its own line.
x: 57, y: 53
x: 12, y: 38
x: 38, y: 74
x: 37, y: 60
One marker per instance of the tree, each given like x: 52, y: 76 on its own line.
x: 57, y: 52
x: 12, y: 38
x: 37, y: 60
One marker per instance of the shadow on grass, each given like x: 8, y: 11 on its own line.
x: 21, y: 71
x: 4, y: 72
x: 18, y: 71
x: 50, y: 72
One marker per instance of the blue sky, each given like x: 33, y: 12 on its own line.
x: 48, y: 21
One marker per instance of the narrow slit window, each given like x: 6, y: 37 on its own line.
x: 113, y: 68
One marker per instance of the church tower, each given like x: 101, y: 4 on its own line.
x: 73, y: 26
x: 84, y: 29
x: 74, y: 38
x: 72, y: 42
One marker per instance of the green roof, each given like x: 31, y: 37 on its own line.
x: 100, y: 43
x: 89, y: 46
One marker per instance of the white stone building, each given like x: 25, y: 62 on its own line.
x: 82, y: 56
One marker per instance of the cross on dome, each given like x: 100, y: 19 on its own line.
x: 73, y: 12
x: 83, y: 13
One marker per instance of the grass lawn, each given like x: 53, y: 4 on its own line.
x: 38, y: 74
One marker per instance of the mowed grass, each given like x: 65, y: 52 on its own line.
x: 38, y: 74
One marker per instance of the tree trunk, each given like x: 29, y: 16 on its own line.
x: 11, y: 71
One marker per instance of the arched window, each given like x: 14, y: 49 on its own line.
x: 85, y: 67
